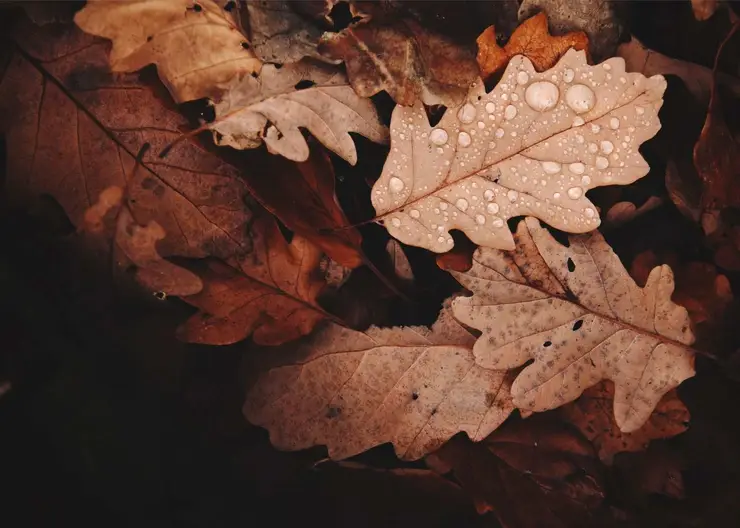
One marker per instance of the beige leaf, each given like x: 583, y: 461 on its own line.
x: 533, y: 146
x: 196, y: 45
x: 577, y: 313
x: 326, y: 106
x: 414, y: 387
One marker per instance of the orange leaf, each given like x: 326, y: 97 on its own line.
x: 530, y: 39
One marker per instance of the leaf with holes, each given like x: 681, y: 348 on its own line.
x: 414, y: 387
x: 274, y: 106
x: 196, y: 45
x: 533, y: 146
x: 577, y: 313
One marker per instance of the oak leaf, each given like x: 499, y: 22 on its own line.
x: 531, y: 39
x: 272, y: 107
x: 410, y: 63
x: 273, y: 298
x: 533, y: 146
x: 196, y: 45
x: 592, y: 415
x: 577, y: 313
x: 414, y: 387
x: 530, y: 473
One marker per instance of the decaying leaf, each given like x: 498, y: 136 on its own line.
x: 622, y: 212
x: 717, y: 153
x: 273, y: 298
x: 73, y: 131
x: 273, y: 106
x: 531, y: 39
x: 399, y: 260
x: 533, y: 146
x: 592, y: 414
x: 414, y: 387
x: 196, y: 46
x: 577, y: 313
x: 404, y: 59
x: 460, y: 257
x: 530, y: 473
x: 684, y: 187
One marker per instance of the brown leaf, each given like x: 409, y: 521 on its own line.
x: 717, y: 152
x: 703, y: 9
x: 404, y: 59
x: 532, y: 146
x: 531, y: 39
x: 73, y: 130
x: 412, y: 386
x: 622, y: 212
x: 196, y: 45
x: 460, y: 257
x: 577, y: 313
x: 684, y: 187
x: 273, y: 298
x: 399, y: 260
x: 531, y: 473
x: 302, y: 196
x: 592, y: 415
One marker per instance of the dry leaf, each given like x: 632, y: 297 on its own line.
x: 703, y: 9
x: 576, y: 312
x: 530, y: 473
x: 697, y: 78
x: 414, y: 387
x: 533, y: 146
x: 399, y: 260
x: 196, y: 46
x: 73, y: 131
x: 273, y: 298
x: 717, y: 153
x: 684, y: 188
x: 405, y: 60
x: 592, y: 414
x: 273, y: 106
x: 460, y: 257
x: 622, y: 212
x: 531, y: 39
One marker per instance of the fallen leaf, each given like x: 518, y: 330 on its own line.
x: 412, y: 386
x: 399, y: 260
x: 279, y: 34
x: 530, y: 473
x: 717, y: 152
x: 684, y: 188
x: 597, y: 19
x: 460, y: 257
x: 273, y: 106
x: 657, y: 471
x: 622, y: 212
x: 576, y: 312
x: 302, y: 196
x: 697, y: 78
x: 73, y: 130
x: 402, y: 58
x: 703, y: 9
x: 592, y: 415
x: 273, y: 298
x: 533, y: 146
x: 531, y: 39
x: 196, y: 45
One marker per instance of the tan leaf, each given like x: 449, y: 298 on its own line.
x: 196, y: 46
x: 414, y: 387
x: 577, y: 313
x: 404, y: 59
x: 273, y: 298
x: 399, y: 260
x: 592, y: 414
x: 531, y: 39
x: 533, y: 146
x: 272, y: 108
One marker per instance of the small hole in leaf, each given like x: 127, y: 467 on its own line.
x: 547, y: 344
x: 305, y: 83
x: 414, y: 395
x: 278, y: 66
x: 160, y: 295
x: 571, y: 265
x: 197, y: 8
x: 245, y: 45
x: 149, y: 38
x: 229, y: 6
x: 578, y: 325
x: 254, y: 74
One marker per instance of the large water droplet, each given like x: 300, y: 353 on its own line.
x: 488, y: 195
x: 395, y: 185
x: 607, y: 147
x: 512, y: 195
x: 466, y: 114
x: 542, y: 96
x: 414, y: 213
x: 590, y: 212
x: 614, y: 123
x: 463, y: 139
x: 498, y: 223
x: 601, y: 162
x: 396, y: 222
x: 574, y: 193
x: 522, y: 77
x: 578, y: 121
x: 580, y: 98
x: 577, y: 168
x: 551, y: 167
x: 480, y: 219
x: 510, y: 112
x: 438, y: 136
x: 640, y: 110
x: 492, y: 208
x: 462, y: 204
x: 490, y: 108
x: 568, y: 75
